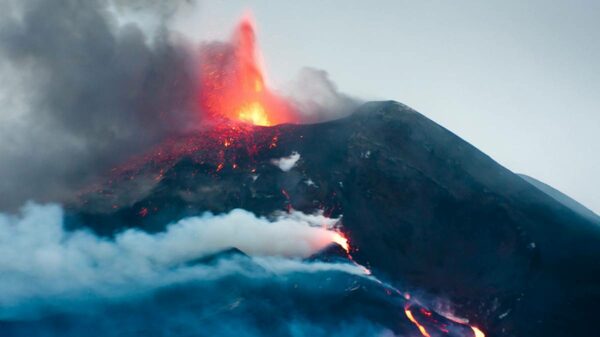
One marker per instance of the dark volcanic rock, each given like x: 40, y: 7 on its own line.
x: 563, y: 199
x: 421, y: 207
x: 220, y: 255
x: 327, y: 303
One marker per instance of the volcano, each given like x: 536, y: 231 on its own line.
x: 227, y: 214
x: 421, y: 208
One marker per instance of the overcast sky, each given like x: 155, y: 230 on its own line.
x: 520, y: 80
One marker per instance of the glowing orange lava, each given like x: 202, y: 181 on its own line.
x: 233, y: 84
x: 416, y: 323
x: 341, y: 240
x: 477, y: 332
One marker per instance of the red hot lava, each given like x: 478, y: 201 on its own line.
x: 425, y: 318
x: 340, y: 239
x: 439, y: 326
x: 232, y: 83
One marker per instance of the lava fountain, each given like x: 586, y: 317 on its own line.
x: 232, y: 82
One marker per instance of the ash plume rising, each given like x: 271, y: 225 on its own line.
x: 87, y: 86
x: 82, y: 92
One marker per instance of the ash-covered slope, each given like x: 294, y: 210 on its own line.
x: 563, y: 199
x: 421, y: 207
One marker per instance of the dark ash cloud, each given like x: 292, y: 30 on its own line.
x: 82, y: 92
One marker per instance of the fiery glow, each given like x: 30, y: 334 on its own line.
x: 416, y: 323
x: 254, y: 113
x: 233, y: 83
x: 341, y: 240
x: 477, y: 332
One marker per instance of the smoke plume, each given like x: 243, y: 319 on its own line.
x: 68, y: 283
x: 44, y: 266
x: 316, y: 98
x: 82, y: 91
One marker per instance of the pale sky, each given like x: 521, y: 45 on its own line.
x: 520, y: 80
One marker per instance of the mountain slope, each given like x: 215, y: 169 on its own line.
x: 563, y: 199
x: 422, y: 208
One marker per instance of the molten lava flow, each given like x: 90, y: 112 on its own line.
x: 436, y: 322
x: 341, y: 240
x: 233, y: 84
x: 415, y: 322
x: 477, y: 332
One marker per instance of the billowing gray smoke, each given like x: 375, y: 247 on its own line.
x: 317, y: 98
x: 82, y: 92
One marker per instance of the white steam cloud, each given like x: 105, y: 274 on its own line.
x: 287, y: 163
x: 43, y: 266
